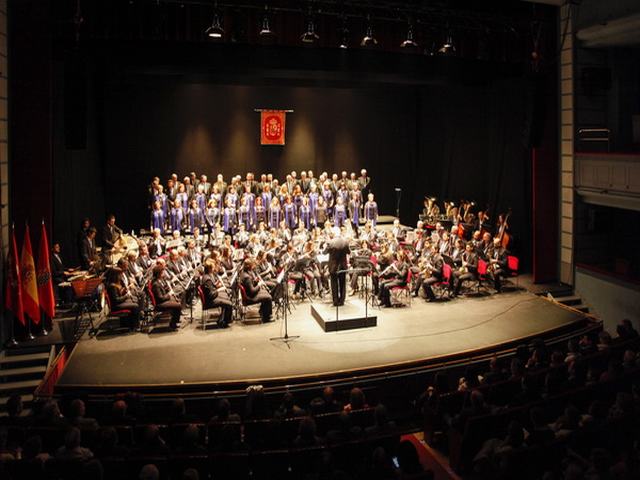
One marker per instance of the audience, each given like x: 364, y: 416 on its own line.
x: 578, y: 404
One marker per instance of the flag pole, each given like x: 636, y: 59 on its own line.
x: 44, y: 331
x: 29, y: 334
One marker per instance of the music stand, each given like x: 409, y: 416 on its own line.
x: 84, y: 291
x: 286, y: 338
x: 398, y: 197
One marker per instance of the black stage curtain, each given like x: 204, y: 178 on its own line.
x: 452, y: 141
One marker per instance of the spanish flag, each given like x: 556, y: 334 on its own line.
x: 45, y: 285
x: 13, y: 288
x: 29, y: 284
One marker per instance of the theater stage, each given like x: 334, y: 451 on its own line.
x: 243, y: 353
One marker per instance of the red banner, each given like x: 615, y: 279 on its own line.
x: 30, y: 303
x: 13, y: 292
x: 45, y: 285
x: 272, y: 124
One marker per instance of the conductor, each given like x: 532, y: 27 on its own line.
x: 338, y: 249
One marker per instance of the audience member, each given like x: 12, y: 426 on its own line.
x: 357, y: 400
x: 72, y: 449
x: 307, y: 433
x: 77, y: 411
x: 149, y: 472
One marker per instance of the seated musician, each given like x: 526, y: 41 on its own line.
x: 444, y: 248
x: 144, y: 260
x: 485, y: 245
x: 265, y: 270
x: 395, y: 276
x: 456, y: 253
x: 476, y: 240
x: 468, y: 269
x: 242, y: 237
x: 253, y: 292
x: 122, y: 297
x: 432, y: 272
x: 497, y: 256
x: 215, y: 294
x: 156, y: 244
x: 397, y: 231
x: 134, y: 270
x: 165, y: 297
x: 311, y: 268
x: 176, y: 267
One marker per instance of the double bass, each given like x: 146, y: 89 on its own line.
x: 505, y: 238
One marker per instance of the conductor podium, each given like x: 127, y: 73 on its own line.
x: 353, y: 314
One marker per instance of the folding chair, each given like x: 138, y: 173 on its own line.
x: 513, y: 263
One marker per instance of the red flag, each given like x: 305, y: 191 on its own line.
x: 45, y: 284
x: 29, y: 285
x: 272, y: 123
x: 13, y: 289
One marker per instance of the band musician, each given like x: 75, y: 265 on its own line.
x: 497, y: 263
x: 469, y: 268
x: 254, y: 291
x: 215, y: 294
x: 165, y: 297
x: 122, y: 298
x: 394, y: 276
x: 110, y: 233
x: 431, y: 273
x: 88, y: 250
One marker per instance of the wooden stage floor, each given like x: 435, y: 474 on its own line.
x: 244, y: 353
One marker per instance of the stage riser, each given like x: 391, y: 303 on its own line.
x: 349, y: 317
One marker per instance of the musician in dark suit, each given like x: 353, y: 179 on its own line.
x: 215, y: 294
x: 172, y: 190
x: 62, y: 294
x: 189, y: 188
x: 88, y: 251
x: 497, y: 257
x: 164, y: 296
x: 338, y: 249
x: 433, y: 273
x: 254, y: 294
x: 399, y: 271
x: 221, y: 184
x: 122, y: 298
x: 482, y: 222
x: 469, y: 268
x: 156, y: 244
x: 110, y: 233
x: 81, y: 235
x: 206, y: 184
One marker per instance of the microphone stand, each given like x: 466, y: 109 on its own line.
x: 286, y: 338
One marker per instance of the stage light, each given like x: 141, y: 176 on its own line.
x: 369, y: 40
x: 409, y: 42
x: 448, y: 47
x: 215, y: 31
